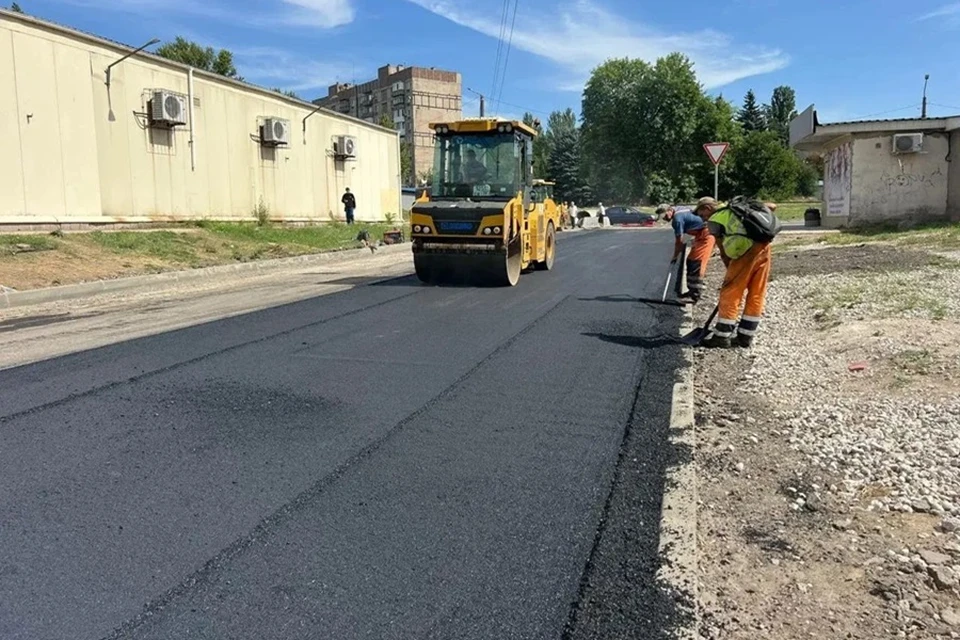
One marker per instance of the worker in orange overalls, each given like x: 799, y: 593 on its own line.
x: 748, y: 271
x: 694, y: 225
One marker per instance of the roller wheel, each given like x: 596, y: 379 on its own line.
x: 425, y: 269
x: 513, y: 264
x: 551, y: 253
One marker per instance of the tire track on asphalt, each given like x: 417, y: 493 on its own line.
x: 264, y: 529
x: 184, y: 363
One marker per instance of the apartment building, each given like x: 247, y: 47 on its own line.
x: 412, y: 97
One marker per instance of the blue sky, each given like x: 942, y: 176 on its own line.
x: 861, y: 58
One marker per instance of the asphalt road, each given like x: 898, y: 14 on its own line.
x: 391, y: 461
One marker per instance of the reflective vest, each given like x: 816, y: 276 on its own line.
x: 727, y: 226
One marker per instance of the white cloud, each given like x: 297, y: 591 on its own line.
x: 320, y: 13
x: 582, y: 34
x: 271, y: 67
x: 325, y: 14
x: 947, y: 10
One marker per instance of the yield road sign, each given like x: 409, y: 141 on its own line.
x: 716, y: 151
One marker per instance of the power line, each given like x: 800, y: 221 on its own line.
x: 945, y: 106
x: 506, y: 60
x: 883, y: 113
x: 503, y: 28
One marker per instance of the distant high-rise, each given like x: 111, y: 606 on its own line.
x: 412, y: 97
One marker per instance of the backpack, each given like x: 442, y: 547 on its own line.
x: 760, y: 224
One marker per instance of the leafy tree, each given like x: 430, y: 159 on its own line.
x: 609, y: 120
x: 751, y: 115
x: 781, y: 110
x: 541, y: 151
x: 288, y: 93
x: 644, y: 128
x: 762, y: 167
x: 16, y: 8
x: 565, y: 168
x: 406, y: 153
x: 190, y: 53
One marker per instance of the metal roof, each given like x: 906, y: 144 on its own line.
x: 886, y: 120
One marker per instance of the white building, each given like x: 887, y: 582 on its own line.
x: 884, y: 171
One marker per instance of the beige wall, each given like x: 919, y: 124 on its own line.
x: 75, y: 151
x: 909, y: 187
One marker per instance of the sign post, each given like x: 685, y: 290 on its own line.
x: 716, y: 151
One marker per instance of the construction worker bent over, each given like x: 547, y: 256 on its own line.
x: 748, y: 270
x: 694, y: 225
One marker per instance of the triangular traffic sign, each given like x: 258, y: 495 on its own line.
x: 716, y: 150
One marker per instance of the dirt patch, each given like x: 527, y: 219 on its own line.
x: 71, y: 263
x: 863, y: 258
x: 828, y: 457
x: 42, y: 260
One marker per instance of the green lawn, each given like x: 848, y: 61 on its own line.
x: 36, y: 242
x: 793, y: 211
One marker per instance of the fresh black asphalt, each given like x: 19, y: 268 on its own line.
x: 393, y: 461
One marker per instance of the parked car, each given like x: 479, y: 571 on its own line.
x: 630, y: 216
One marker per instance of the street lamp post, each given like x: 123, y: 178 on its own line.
x: 137, y: 50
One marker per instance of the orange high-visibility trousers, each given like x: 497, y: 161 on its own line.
x: 747, y: 274
x: 700, y: 252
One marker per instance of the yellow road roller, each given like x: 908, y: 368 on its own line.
x: 486, y: 220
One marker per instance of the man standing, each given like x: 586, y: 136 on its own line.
x: 748, y: 270
x: 349, y: 204
x: 574, y: 214
x: 694, y: 225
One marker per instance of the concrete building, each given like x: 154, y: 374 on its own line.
x: 884, y: 171
x: 165, y: 142
x: 412, y: 97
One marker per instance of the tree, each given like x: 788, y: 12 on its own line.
x: 565, y: 169
x: 288, y: 93
x: 781, y: 110
x: 762, y: 167
x: 751, y: 115
x: 190, y: 53
x: 644, y: 127
x: 541, y: 151
x: 16, y: 8
x: 406, y: 152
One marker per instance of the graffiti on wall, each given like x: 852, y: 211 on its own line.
x: 911, y: 180
x: 839, y: 180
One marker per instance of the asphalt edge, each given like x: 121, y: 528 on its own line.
x: 679, y: 568
x: 12, y: 299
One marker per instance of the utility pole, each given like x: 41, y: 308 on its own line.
x: 923, y: 111
x: 483, y: 102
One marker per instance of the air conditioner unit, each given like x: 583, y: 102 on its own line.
x: 168, y: 108
x: 908, y: 143
x: 347, y: 146
x: 276, y: 131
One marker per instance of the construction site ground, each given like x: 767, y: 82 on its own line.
x: 38, y: 260
x: 829, y: 454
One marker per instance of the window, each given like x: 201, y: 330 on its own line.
x: 486, y: 166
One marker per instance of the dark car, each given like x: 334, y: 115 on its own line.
x: 630, y: 216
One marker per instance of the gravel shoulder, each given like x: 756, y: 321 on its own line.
x: 828, y: 456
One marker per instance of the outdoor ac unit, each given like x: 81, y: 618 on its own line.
x: 168, y: 108
x: 908, y: 143
x: 347, y: 146
x: 276, y: 131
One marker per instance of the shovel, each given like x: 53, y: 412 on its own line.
x: 663, y: 298
x: 697, y: 335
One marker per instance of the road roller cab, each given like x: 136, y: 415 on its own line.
x: 485, y: 219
